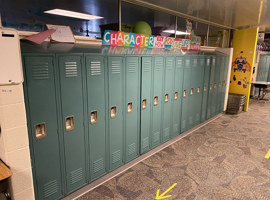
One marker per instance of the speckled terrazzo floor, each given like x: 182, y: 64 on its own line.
x: 223, y: 160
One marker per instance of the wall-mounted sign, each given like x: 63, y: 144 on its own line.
x: 149, y: 41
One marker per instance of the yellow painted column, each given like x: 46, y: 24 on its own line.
x: 244, y: 50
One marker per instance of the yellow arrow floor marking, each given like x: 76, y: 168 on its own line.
x: 267, y: 155
x: 162, y: 195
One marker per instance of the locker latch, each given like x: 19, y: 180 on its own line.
x: 129, y: 107
x: 166, y: 98
x: 184, y: 94
x: 69, y: 122
x: 155, y: 100
x: 93, y: 117
x: 175, y: 95
x: 113, y: 112
x: 223, y: 83
x: 191, y: 91
x: 219, y: 84
x: 204, y: 88
x: 144, y: 104
x: 40, y: 131
x: 198, y: 90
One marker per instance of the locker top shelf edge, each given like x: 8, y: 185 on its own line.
x: 47, y: 47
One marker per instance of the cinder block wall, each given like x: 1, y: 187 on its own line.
x: 14, y: 145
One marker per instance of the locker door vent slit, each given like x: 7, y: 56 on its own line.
x: 131, y: 149
x: 158, y: 66
x: 116, y: 156
x: 98, y: 165
x: 50, y: 188
x: 71, y: 69
x: 95, y: 68
x: 116, y: 67
x: 76, y: 176
x: 132, y: 67
x: 156, y: 137
x: 146, y: 66
x: 40, y: 71
x: 145, y: 142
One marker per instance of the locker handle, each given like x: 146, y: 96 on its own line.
x: 166, y: 98
x: 204, y: 88
x: 191, y: 91
x: 211, y: 86
x: 129, y: 107
x: 113, y: 112
x: 40, y: 131
x: 175, y: 95
x: 69, y: 123
x: 215, y: 86
x: 93, y: 117
x: 184, y: 94
x: 144, y: 104
x: 155, y: 100
x: 219, y: 84
x: 223, y: 83
x: 198, y: 90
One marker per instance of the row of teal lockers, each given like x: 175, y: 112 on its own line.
x: 263, y: 73
x: 90, y: 114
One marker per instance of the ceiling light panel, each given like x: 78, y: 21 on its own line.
x: 72, y: 14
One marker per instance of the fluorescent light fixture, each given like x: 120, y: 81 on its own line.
x: 72, y: 14
x: 177, y: 32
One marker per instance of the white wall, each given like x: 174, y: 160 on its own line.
x: 14, y: 146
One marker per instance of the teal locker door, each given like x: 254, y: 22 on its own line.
x: 199, y: 89
x: 42, y: 122
x: 220, y: 84
x: 177, y: 96
x: 146, y: 103
x: 157, y: 99
x: 186, y: 94
x: 116, y: 101
x: 192, y: 91
x: 71, y: 81
x: 224, y: 81
x: 205, y: 88
x: 96, y: 91
x: 132, y: 105
x: 210, y: 100
x: 267, y: 68
x: 168, y: 97
x: 260, y: 70
x: 217, y: 87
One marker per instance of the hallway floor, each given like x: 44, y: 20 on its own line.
x: 222, y: 160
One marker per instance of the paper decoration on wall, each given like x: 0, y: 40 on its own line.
x: 62, y: 34
x: 241, y: 65
x: 149, y: 41
x: 40, y: 37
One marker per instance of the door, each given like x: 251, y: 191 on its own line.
x: 96, y: 114
x: 177, y: 96
x: 158, y: 70
x: 210, y: 101
x: 116, y: 101
x: 168, y: 97
x: 146, y: 103
x: 217, y: 87
x: 71, y: 87
x: 198, y: 94
x: 186, y: 104
x: 132, y: 92
x: 43, y: 125
x: 205, y: 88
